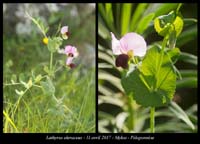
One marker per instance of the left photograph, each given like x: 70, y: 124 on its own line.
x: 49, y: 68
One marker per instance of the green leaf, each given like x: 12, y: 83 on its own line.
x: 125, y: 20
x: 161, y: 30
x: 46, y: 69
x: 181, y: 114
x: 39, y: 23
x: 174, y: 54
x: 29, y: 84
x: 25, y: 84
x: 164, y: 19
x: 13, y: 78
x: 20, y: 93
x: 189, y: 21
x: 102, y: 30
x: 161, y: 9
x: 54, y: 44
x: 115, y: 81
x: 118, y: 16
x: 188, y: 73
x: 142, y: 84
x: 144, y: 22
x: 105, y: 17
x: 190, y: 82
x: 137, y: 14
x: 106, y: 57
x: 109, y: 12
x: 187, y: 35
x: 168, y: 23
x: 178, y: 23
x: 172, y: 39
x: 189, y: 58
x: 38, y: 78
x: 48, y: 86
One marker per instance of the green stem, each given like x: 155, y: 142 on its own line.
x: 131, y: 109
x: 164, y: 43
x: 18, y: 101
x: 152, y: 119
x: 51, y: 62
x: 178, y: 8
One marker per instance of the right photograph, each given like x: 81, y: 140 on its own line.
x: 147, y: 68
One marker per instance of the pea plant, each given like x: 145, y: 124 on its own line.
x: 148, y: 71
x: 54, y: 101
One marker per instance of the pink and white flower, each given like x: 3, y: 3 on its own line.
x: 64, y: 31
x: 71, y: 53
x: 131, y: 44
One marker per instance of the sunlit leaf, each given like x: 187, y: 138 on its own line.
x: 125, y: 20
x: 141, y: 84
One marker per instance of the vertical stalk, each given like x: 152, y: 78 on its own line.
x: 51, y: 61
x: 131, y: 110
x: 164, y: 43
x: 152, y: 120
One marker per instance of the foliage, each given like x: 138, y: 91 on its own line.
x: 118, y: 112
x: 41, y: 93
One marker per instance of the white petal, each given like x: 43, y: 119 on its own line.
x: 115, y: 45
x: 64, y: 29
x: 61, y: 51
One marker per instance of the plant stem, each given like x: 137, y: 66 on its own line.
x: 164, y: 43
x: 131, y: 109
x: 178, y: 7
x: 51, y: 62
x: 152, y: 119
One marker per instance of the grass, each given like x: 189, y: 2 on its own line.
x: 72, y: 110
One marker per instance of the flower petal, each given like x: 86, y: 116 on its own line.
x: 71, y: 50
x: 75, y: 52
x: 72, y: 65
x: 115, y: 45
x: 64, y: 29
x: 61, y: 51
x: 69, y: 60
x: 135, y: 42
x: 122, y: 61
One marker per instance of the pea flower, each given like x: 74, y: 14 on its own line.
x: 64, y: 31
x: 130, y: 45
x: 71, y: 53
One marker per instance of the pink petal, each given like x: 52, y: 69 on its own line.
x: 64, y: 29
x: 115, y: 45
x: 71, y: 50
x: 69, y: 60
x: 135, y: 42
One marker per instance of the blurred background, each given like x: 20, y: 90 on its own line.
x: 24, y: 57
x: 114, y: 113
